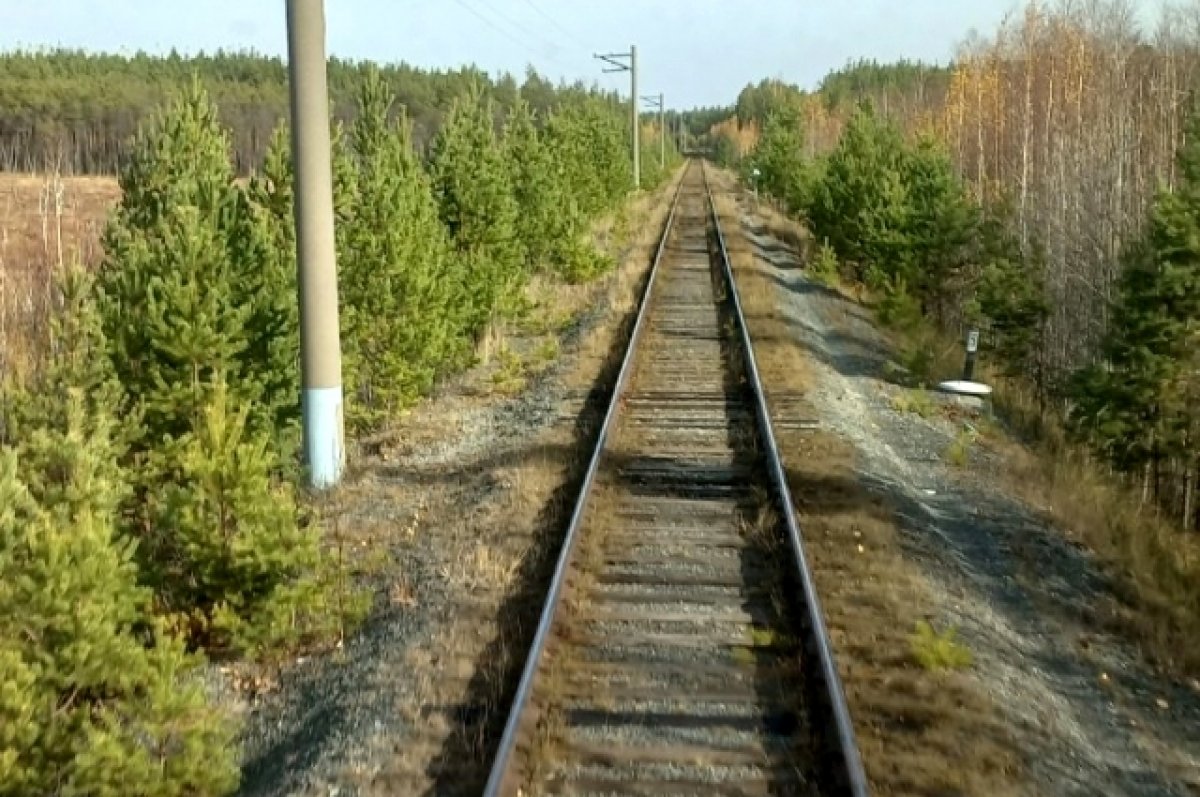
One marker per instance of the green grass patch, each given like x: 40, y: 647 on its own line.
x: 545, y: 353
x: 763, y: 637
x: 935, y: 650
x: 958, y: 453
x: 917, y: 402
x: 824, y: 267
x: 509, y: 376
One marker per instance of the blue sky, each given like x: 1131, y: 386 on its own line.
x: 698, y: 52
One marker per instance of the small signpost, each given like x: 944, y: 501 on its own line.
x: 754, y: 175
x: 972, y: 348
x: 967, y: 391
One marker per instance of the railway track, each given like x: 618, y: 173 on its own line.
x: 681, y: 649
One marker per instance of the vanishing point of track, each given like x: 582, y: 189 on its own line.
x: 681, y: 648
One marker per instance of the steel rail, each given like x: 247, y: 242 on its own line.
x: 850, y: 773
x: 508, y: 740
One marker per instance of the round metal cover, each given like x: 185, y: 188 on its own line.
x: 964, y: 388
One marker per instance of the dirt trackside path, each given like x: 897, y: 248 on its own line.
x: 897, y: 534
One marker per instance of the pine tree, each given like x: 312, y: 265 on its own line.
x: 345, y: 184
x: 543, y: 219
x: 862, y: 203
x: 241, y: 568
x: 94, y: 700
x: 591, y: 141
x: 550, y: 221
x: 653, y: 172
x: 78, y: 359
x: 725, y: 152
x: 198, y: 305
x: 1136, y: 405
x: 1010, y: 296
x: 1119, y: 400
x: 606, y: 151
x: 401, y: 292
x: 941, y: 230
x: 199, y: 276
x: 565, y: 136
x: 477, y: 205
x: 779, y: 157
x: 171, y: 305
x: 265, y: 235
x: 182, y: 159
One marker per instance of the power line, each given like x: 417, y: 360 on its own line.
x: 554, y: 45
x: 493, y: 25
x: 508, y: 32
x: 554, y: 22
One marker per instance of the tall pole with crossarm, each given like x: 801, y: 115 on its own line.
x: 656, y: 101
x: 320, y: 344
x: 662, y: 131
x: 627, y: 62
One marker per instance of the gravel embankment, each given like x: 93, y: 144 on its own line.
x: 1093, y: 718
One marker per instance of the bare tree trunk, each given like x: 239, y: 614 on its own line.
x: 1027, y: 133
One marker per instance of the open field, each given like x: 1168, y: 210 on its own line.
x: 44, y: 220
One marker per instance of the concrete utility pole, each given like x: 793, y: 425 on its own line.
x: 637, y: 119
x: 657, y: 102
x: 320, y: 344
x: 662, y: 130
x: 627, y: 62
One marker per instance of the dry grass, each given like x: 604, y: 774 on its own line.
x: 45, y: 220
x: 921, y: 731
x: 483, y: 567
x: 958, y: 453
x: 1154, y: 564
x: 461, y: 679
x: 519, y: 350
x: 509, y: 376
x: 788, y: 232
x: 624, y: 290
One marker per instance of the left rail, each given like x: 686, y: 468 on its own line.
x: 522, y: 699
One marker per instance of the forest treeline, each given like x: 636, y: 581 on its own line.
x: 77, y: 111
x: 149, y: 510
x: 889, y: 86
